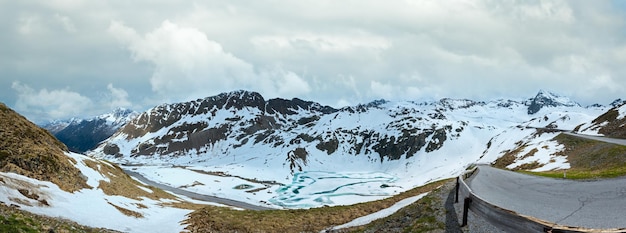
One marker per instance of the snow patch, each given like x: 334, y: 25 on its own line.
x: 88, y: 206
x: 380, y: 214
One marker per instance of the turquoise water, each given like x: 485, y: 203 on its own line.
x: 317, y: 188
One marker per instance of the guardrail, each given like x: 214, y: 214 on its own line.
x: 509, y: 220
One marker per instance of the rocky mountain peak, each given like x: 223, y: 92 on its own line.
x: 291, y: 107
x: 618, y: 102
x: 208, y: 108
x: 548, y: 99
x: 122, y: 112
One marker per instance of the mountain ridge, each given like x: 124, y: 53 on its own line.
x: 81, y: 135
x: 299, y: 130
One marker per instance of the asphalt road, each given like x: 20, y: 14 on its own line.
x: 599, y: 204
x: 598, y: 138
x: 196, y: 196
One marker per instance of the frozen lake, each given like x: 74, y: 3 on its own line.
x: 317, y: 188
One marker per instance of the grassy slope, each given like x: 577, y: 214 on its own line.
x: 589, y: 159
x: 31, y: 151
x: 426, y: 215
x: 28, y: 150
x: 217, y: 219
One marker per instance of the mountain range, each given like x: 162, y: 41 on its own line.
x: 278, y: 153
x: 380, y: 130
x: 240, y: 134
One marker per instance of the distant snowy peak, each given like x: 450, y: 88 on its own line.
x: 119, y: 115
x: 548, y: 99
x: 81, y: 135
x: 56, y: 126
x: 618, y: 102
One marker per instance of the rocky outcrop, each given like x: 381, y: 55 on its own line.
x: 611, y: 123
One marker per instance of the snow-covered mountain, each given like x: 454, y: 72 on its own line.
x: 240, y: 134
x: 548, y: 99
x: 611, y: 124
x: 278, y: 153
x: 81, y: 135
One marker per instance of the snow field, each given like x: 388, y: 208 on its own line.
x: 92, y: 207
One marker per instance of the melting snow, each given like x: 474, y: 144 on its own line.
x: 380, y: 214
x: 91, y: 207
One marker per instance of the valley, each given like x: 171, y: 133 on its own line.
x: 238, y: 156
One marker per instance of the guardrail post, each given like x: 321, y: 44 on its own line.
x: 456, y: 197
x: 466, y: 204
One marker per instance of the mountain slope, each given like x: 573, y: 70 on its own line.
x: 38, y: 175
x: 263, y: 143
x: 31, y: 151
x: 81, y: 135
x: 611, y: 124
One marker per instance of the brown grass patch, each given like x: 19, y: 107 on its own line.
x: 220, y: 219
x: 528, y: 166
x: 127, y: 212
x: 20, y: 201
x: 508, y: 158
x: 121, y: 184
x: 530, y: 153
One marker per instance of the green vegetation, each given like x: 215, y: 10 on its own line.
x: 13, y: 223
x: 219, y: 219
x: 589, y: 159
x: 580, y: 175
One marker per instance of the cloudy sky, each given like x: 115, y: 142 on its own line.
x: 73, y: 58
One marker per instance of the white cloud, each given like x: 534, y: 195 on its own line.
x: 282, y: 83
x: 604, y: 82
x: 66, y: 22
x: 325, y: 51
x: 325, y: 43
x: 118, y: 97
x: 55, y: 104
x: 188, y: 64
x: 29, y: 24
x: 385, y: 91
